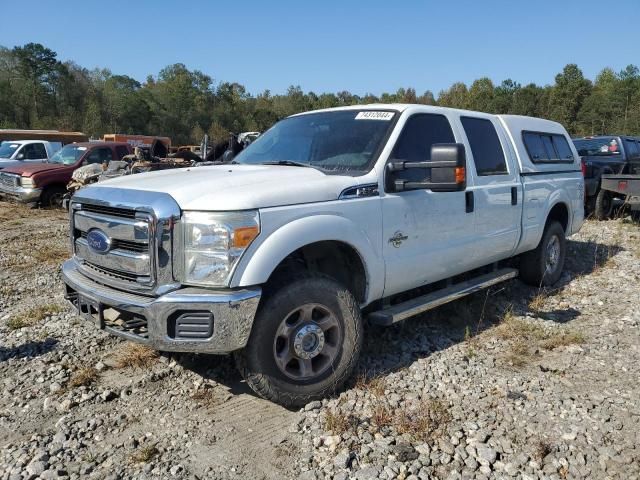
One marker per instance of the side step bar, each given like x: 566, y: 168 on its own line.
x: 404, y: 310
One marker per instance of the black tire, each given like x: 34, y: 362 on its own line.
x: 261, y: 362
x: 604, y: 205
x: 537, y: 267
x: 52, y: 197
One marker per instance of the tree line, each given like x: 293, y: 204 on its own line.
x: 39, y: 91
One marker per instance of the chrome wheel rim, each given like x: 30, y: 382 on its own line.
x: 553, y: 254
x: 307, y: 342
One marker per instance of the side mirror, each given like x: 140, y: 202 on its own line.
x: 20, y: 156
x: 448, y: 166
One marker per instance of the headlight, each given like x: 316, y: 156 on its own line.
x: 214, y: 243
x: 27, y: 182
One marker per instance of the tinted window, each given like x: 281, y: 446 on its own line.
x: 414, y: 144
x: 485, y: 146
x: 122, y: 151
x: 598, y: 146
x: 632, y: 149
x: 562, y: 147
x: 547, y: 147
x: 100, y: 155
x: 34, y: 151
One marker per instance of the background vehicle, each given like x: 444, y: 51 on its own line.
x: 17, y: 152
x: 45, y: 183
x: 383, y: 211
x: 604, y: 155
x: 46, y: 135
x: 136, y: 140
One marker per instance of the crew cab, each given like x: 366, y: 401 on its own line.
x: 45, y: 183
x: 604, y: 155
x: 328, y: 219
x: 18, y: 152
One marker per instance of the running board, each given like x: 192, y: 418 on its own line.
x: 404, y: 310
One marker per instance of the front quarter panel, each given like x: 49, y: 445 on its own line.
x: 356, y: 222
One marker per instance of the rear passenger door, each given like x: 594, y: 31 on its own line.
x: 497, y: 190
x: 99, y: 155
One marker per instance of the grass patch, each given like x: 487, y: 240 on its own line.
x: 537, y: 302
x: 144, y: 454
x: 51, y: 254
x: 526, y: 337
x: 338, y: 422
x: 374, y: 384
x: 426, y: 421
x: 33, y: 315
x: 382, y: 416
x: 83, y: 377
x: 136, y: 356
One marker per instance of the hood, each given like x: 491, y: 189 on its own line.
x: 6, y: 163
x: 30, y: 169
x: 237, y: 187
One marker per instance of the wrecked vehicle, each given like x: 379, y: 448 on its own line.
x: 330, y: 217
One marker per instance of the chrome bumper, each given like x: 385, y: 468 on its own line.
x: 232, y: 313
x: 21, y: 194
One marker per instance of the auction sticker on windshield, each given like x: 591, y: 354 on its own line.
x: 373, y: 115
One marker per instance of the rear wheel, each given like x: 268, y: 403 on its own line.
x: 543, y: 266
x: 52, y: 197
x: 305, y: 341
x: 603, y: 205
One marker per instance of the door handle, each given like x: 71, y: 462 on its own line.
x: 514, y: 195
x: 469, y: 202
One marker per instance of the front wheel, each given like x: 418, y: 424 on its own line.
x: 305, y: 341
x: 543, y: 266
x: 52, y: 197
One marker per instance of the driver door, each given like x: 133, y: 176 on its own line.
x: 427, y: 235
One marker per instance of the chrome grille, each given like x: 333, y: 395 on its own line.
x: 128, y: 261
x: 9, y: 180
x: 142, y: 228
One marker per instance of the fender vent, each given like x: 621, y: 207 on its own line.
x: 192, y: 326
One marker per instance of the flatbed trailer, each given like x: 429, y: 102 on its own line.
x: 624, y: 185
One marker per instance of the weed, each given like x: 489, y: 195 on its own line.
x: 144, y: 454
x: 381, y: 416
x: 33, y: 315
x: 84, y: 376
x: 537, y: 302
x: 374, y: 384
x: 136, y: 356
x: 339, y: 422
x: 425, y: 422
x: 562, y: 339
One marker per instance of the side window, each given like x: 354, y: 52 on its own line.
x: 547, y: 147
x: 414, y: 144
x: 632, y: 149
x: 100, y: 155
x: 485, y: 146
x: 562, y: 147
x: 121, y: 151
x: 34, y: 151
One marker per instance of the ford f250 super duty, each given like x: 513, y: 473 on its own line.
x: 330, y: 218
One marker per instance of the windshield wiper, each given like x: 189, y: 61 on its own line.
x: 289, y: 163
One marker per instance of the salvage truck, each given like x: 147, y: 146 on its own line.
x: 329, y: 220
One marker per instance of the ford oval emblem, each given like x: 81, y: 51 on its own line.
x: 98, y: 241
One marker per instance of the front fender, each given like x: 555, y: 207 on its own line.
x: 259, y: 262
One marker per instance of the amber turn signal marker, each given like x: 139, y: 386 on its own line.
x: 243, y: 236
x: 461, y: 175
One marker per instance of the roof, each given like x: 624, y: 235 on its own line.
x: 99, y: 143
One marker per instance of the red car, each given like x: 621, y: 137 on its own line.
x: 46, y: 183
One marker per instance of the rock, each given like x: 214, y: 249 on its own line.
x: 36, y: 467
x: 108, y: 395
x: 485, y: 454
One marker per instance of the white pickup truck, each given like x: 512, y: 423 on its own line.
x: 328, y: 219
x: 17, y: 152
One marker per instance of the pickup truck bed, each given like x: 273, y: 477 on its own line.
x: 627, y: 185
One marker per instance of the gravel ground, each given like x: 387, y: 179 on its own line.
x: 512, y: 382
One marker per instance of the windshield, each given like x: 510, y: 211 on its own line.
x: 600, y: 146
x: 343, y: 142
x: 8, y: 148
x: 68, y: 155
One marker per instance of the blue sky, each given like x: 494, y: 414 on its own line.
x: 328, y: 46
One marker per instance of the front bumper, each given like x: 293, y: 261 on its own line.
x: 20, y: 194
x: 152, y: 320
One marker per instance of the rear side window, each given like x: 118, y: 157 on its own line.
x: 121, y: 150
x: 547, y: 147
x: 485, y: 146
x: 632, y: 149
